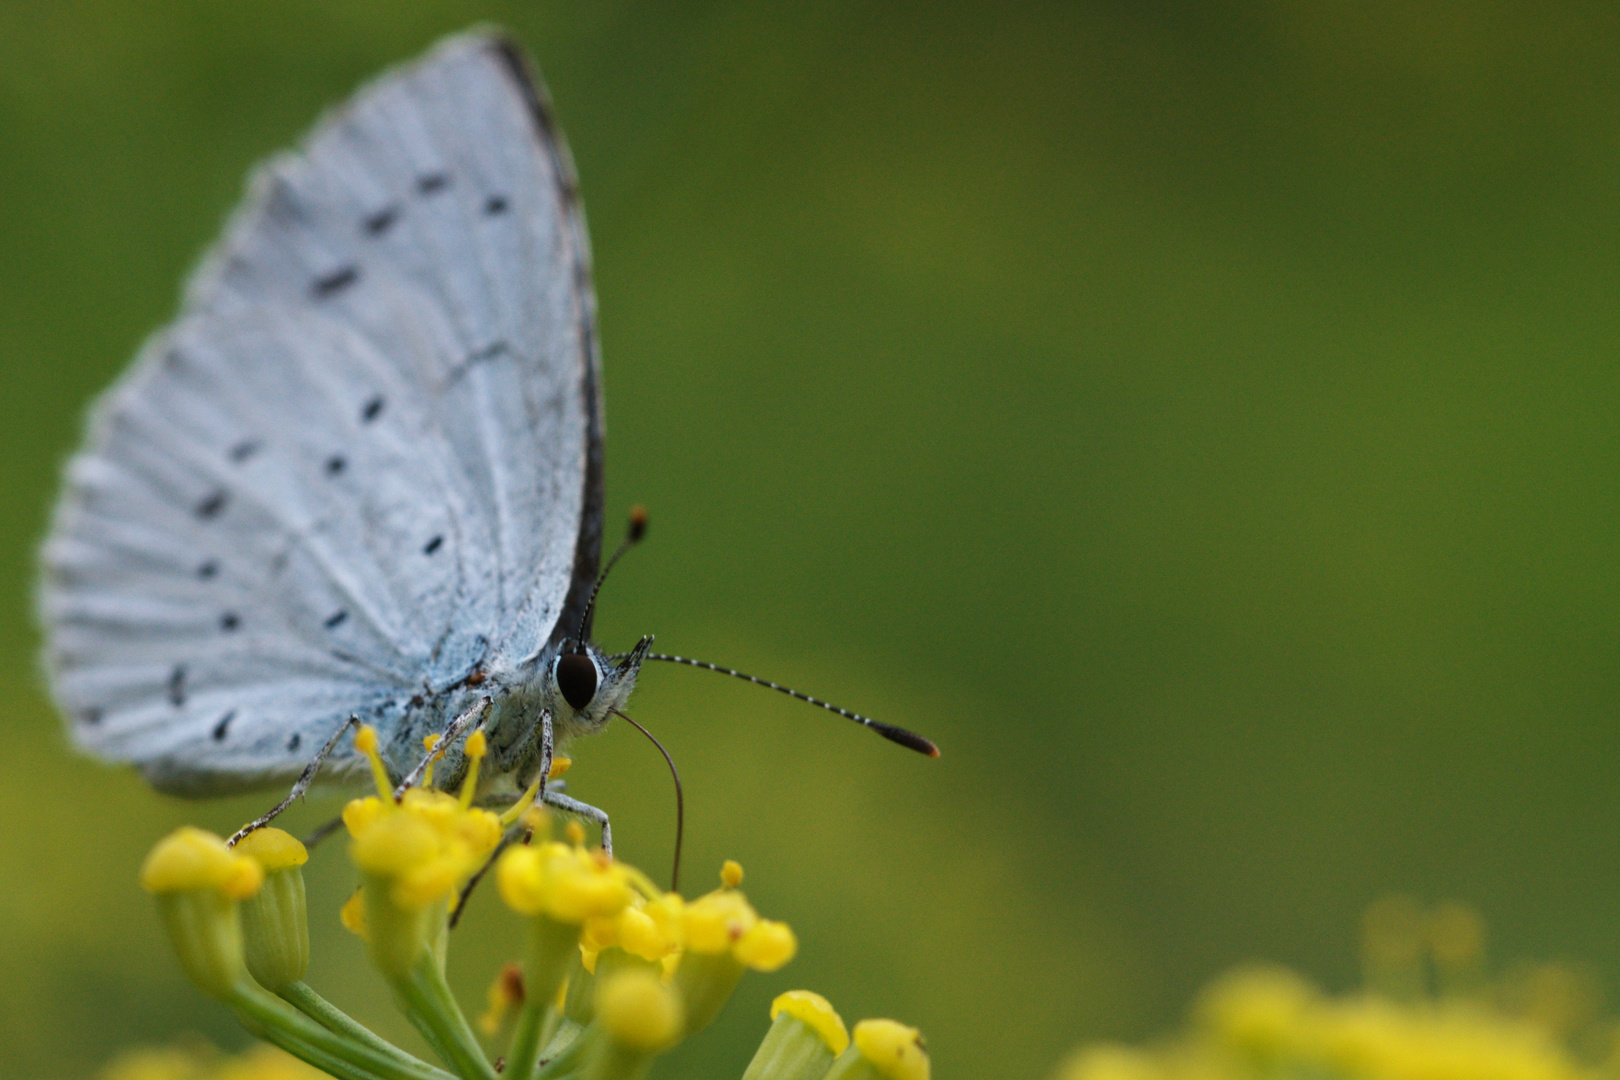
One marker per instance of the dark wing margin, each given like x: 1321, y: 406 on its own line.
x: 588, y: 548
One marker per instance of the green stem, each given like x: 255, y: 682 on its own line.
x: 569, y: 1058
x: 523, y: 1056
x: 430, y: 1005
x: 303, y: 997
x: 272, y: 1017
x: 328, y: 1063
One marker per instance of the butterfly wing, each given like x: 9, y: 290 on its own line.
x: 365, y: 461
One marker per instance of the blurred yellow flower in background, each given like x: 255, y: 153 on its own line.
x: 1426, y: 1011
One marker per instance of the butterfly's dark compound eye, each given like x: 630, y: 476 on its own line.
x: 576, y: 678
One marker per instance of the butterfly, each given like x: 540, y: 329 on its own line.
x: 360, y: 476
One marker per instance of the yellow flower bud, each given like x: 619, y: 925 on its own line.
x: 767, y: 945
x: 359, y: 814
x: 896, y: 1051
x: 817, y: 1013
x: 588, y: 887
x: 805, y: 1036
x: 713, y: 923
x: 568, y: 884
x: 639, y: 1011
x: 393, y: 844
x: 190, y: 859
x: 275, y: 921
x: 273, y: 849
x: 731, y: 873
x: 198, y: 882
x: 353, y: 915
x: 641, y: 934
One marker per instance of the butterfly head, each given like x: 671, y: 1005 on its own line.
x: 585, y: 685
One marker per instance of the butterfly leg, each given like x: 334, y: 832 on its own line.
x: 552, y: 797
x: 451, y: 734
x: 584, y: 810
x: 300, y: 785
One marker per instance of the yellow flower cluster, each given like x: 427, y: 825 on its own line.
x: 614, y: 970
x: 563, y: 881
x: 1261, y: 1022
x: 428, y: 844
x: 661, y: 926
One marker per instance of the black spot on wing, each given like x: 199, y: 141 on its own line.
x: 495, y: 205
x: 223, y: 725
x: 244, y: 450
x: 210, y: 506
x: 371, y: 409
x: 380, y: 222
x: 335, y: 464
x: 335, y: 282
x: 292, y: 743
x: 177, y: 686
x: 432, y: 183
x: 208, y: 569
x: 229, y: 621
x: 335, y: 620
x: 433, y: 545
x: 90, y: 717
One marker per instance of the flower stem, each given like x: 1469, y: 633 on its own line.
x: 427, y: 1001
x: 278, y: 1021
x: 302, y: 996
x: 568, y: 1052
x: 523, y: 1057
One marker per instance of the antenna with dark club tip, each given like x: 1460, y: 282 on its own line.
x: 632, y: 537
x: 680, y: 801
x: 908, y: 739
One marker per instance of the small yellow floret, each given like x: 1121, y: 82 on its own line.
x: 353, y: 915
x: 273, y: 849
x: 639, y: 1011
x: 190, y: 859
x: 358, y: 814
x: 575, y: 833
x: 394, y: 844
x: 714, y: 923
x: 641, y: 935
x: 559, y: 765
x: 731, y: 874
x: 477, y: 744
x: 897, y: 1052
x: 766, y: 946
x: 567, y: 883
x: 365, y: 740
x: 817, y: 1014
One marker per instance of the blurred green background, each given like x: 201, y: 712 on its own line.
x: 1204, y: 421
